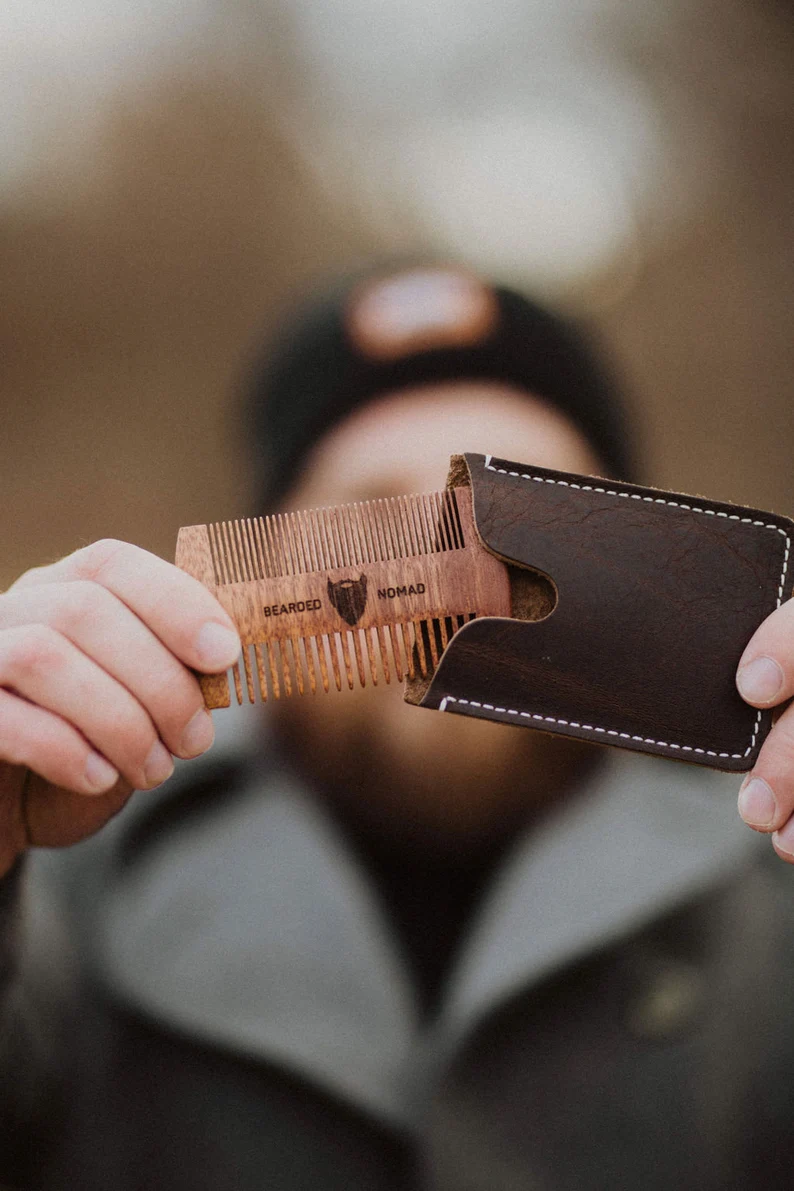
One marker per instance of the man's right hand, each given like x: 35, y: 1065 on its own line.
x: 96, y: 688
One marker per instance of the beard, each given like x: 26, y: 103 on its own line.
x: 437, y: 782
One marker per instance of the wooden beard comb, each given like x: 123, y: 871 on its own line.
x: 583, y: 607
x: 361, y: 592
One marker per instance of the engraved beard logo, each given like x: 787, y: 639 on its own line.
x: 349, y: 597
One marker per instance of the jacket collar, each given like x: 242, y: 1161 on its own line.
x: 253, y: 928
x: 642, y: 838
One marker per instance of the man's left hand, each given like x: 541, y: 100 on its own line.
x: 765, y: 678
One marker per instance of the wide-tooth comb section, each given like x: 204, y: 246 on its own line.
x: 270, y: 669
x: 323, y: 539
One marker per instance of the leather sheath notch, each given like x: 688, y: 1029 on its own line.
x: 532, y: 596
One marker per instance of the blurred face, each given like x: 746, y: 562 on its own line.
x: 404, y: 769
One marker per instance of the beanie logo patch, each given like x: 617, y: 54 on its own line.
x: 420, y: 310
x: 349, y: 597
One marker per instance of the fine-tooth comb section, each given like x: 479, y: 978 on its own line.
x: 355, y: 595
x: 323, y: 539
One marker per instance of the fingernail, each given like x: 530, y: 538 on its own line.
x: 158, y: 766
x: 198, y: 735
x: 760, y: 681
x: 784, y: 839
x: 217, y: 647
x: 757, y: 804
x: 100, y: 774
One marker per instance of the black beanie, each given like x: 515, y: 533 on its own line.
x: 319, y: 371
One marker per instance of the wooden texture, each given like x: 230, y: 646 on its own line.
x: 357, y: 593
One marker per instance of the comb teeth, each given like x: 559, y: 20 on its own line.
x: 304, y: 665
x: 322, y: 539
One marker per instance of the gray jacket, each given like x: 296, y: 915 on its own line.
x: 240, y: 1017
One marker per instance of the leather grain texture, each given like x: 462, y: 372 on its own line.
x: 658, y: 595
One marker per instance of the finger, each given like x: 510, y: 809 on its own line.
x: 783, y: 842
x: 177, y: 608
x: 107, y: 631
x: 766, y: 797
x: 46, y: 743
x: 765, y: 675
x: 42, y: 666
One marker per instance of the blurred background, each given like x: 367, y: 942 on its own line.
x: 176, y: 174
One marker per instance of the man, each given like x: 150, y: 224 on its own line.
x: 369, y: 946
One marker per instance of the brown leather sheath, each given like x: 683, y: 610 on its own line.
x: 657, y: 596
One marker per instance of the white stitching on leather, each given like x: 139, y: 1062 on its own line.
x: 550, y: 719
